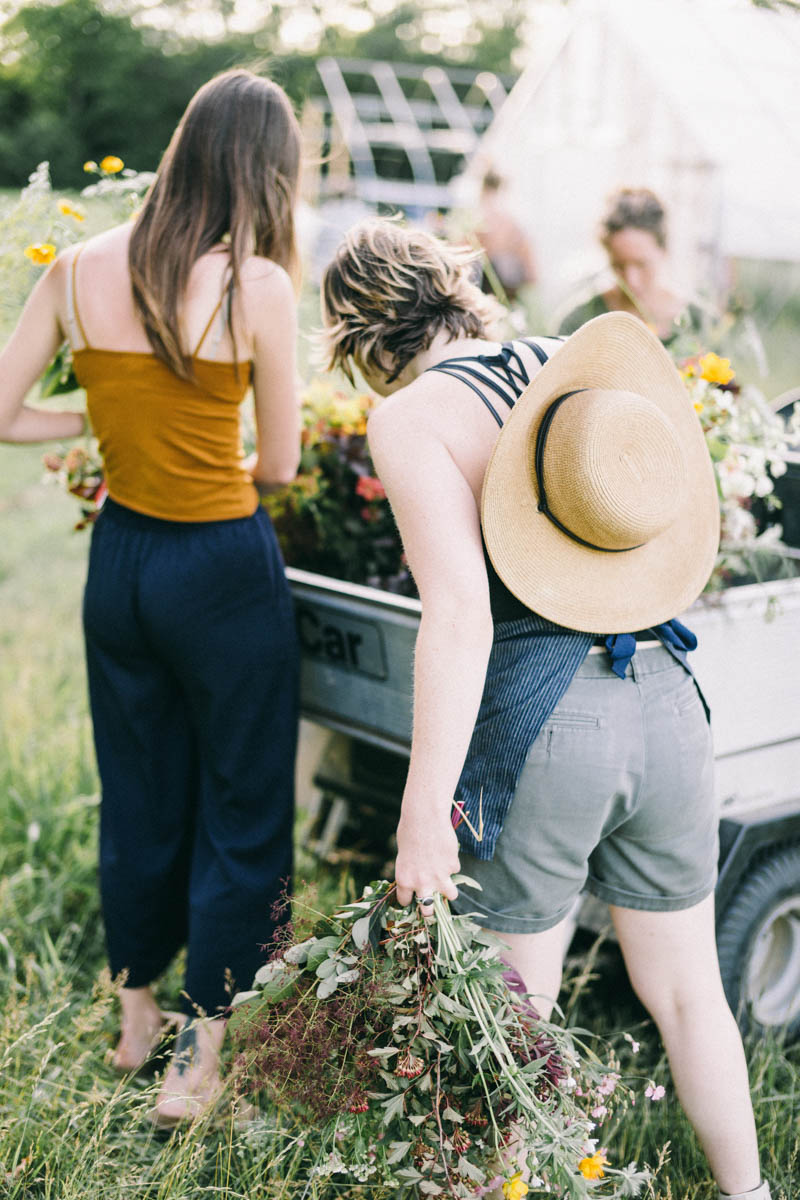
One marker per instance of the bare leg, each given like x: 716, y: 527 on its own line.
x: 539, y: 959
x: 192, y: 1082
x: 142, y: 1021
x: 671, y: 959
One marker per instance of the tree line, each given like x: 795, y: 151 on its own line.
x: 79, y: 81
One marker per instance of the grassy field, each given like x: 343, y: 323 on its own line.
x: 69, y: 1128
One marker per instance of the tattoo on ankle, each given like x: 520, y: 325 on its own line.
x: 185, y: 1049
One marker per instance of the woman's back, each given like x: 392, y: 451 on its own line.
x: 171, y: 445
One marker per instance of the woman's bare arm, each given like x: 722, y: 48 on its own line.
x: 438, y: 521
x: 272, y: 318
x: 27, y: 354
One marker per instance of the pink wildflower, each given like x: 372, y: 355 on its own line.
x: 600, y: 1111
x: 654, y: 1093
x: 607, y: 1085
x: 370, y: 488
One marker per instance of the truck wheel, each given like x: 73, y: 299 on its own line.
x: 758, y: 938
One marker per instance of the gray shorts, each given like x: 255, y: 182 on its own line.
x: 616, y: 796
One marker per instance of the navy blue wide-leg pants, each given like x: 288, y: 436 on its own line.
x: 193, y: 680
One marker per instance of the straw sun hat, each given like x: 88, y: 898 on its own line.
x: 599, y: 505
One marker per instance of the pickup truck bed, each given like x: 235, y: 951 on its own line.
x: 357, y: 660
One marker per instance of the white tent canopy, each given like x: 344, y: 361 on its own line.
x: 697, y: 99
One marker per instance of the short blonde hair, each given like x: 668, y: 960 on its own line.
x: 390, y: 290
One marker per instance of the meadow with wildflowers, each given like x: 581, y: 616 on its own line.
x: 69, y: 1127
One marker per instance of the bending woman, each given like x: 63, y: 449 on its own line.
x: 552, y: 696
x: 190, y: 642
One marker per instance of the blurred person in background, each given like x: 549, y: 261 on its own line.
x: 508, y: 250
x: 633, y: 233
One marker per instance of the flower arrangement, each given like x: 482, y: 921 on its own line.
x: 80, y: 472
x: 334, y: 518
x: 414, y: 1062
x: 748, y: 445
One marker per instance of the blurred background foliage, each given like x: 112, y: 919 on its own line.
x: 79, y: 80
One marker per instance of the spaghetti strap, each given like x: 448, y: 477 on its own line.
x: 211, y: 319
x: 73, y: 312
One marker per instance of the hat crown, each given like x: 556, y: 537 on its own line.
x: 612, y: 467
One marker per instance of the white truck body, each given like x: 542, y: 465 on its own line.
x: 357, y: 664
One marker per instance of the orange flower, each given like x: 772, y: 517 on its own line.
x: 111, y: 164
x: 715, y: 369
x: 592, y: 1167
x: 40, y: 253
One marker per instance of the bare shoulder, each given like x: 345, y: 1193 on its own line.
x: 264, y: 279
x: 410, y: 411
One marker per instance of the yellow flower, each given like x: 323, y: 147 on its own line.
x: 40, y: 253
x: 515, y: 1187
x: 698, y: 406
x: 90, y: 166
x: 111, y: 164
x: 592, y: 1167
x: 715, y: 369
x: 67, y: 209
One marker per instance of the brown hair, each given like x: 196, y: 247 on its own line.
x: 634, y: 208
x: 390, y: 290
x: 230, y: 171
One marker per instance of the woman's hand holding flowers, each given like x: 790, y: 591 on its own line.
x: 427, y: 855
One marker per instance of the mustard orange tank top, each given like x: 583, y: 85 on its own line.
x: 171, y: 447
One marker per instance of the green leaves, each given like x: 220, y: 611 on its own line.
x: 425, y: 1037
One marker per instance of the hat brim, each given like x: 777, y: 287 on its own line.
x: 558, y: 578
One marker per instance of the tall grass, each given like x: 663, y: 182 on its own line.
x: 69, y: 1128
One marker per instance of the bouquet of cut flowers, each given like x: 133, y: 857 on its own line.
x: 748, y: 444
x: 334, y: 518
x: 80, y: 472
x: 416, y: 1063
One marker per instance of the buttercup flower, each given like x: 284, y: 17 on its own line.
x: 592, y: 1167
x: 515, y: 1187
x: 40, y: 253
x: 90, y: 166
x: 111, y: 164
x: 68, y: 210
x: 715, y: 369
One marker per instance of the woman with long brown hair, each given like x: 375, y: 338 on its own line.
x: 190, y: 641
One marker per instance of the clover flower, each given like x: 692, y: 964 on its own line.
x: 409, y: 1066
